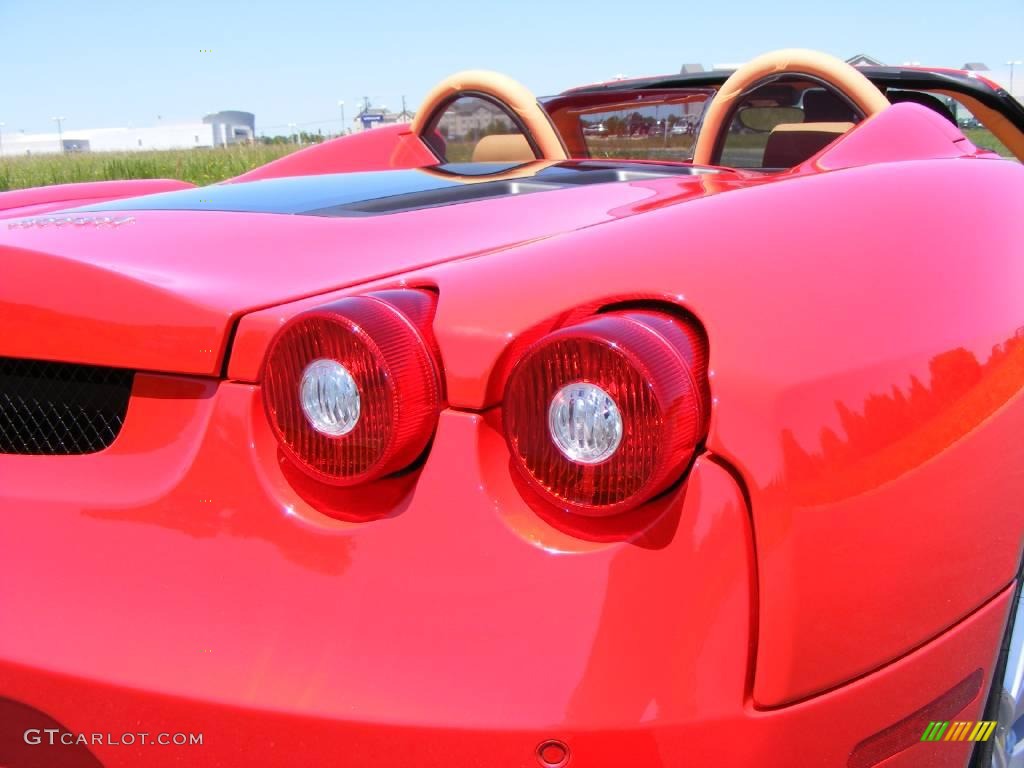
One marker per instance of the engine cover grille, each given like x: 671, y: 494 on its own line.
x: 60, y: 408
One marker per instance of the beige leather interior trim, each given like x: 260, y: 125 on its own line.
x: 1001, y: 128
x: 798, y: 61
x: 506, y: 91
x: 503, y: 148
x: 836, y: 128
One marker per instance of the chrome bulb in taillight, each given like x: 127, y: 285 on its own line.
x: 584, y: 423
x: 329, y: 397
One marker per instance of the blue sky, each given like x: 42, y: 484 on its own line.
x: 115, y: 63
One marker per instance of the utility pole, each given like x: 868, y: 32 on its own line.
x: 60, y: 130
x: 1012, y: 63
x: 341, y: 106
x: 294, y: 128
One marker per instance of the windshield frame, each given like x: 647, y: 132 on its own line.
x: 566, y: 111
x: 995, y: 108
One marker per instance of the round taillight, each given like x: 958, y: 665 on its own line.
x: 352, y: 389
x: 604, y: 415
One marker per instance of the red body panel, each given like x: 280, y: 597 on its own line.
x: 180, y: 273
x: 30, y: 202
x: 211, y: 598
x: 856, y: 488
x: 832, y: 606
x: 841, y: 554
x: 902, y: 132
x: 391, y: 146
x: 273, y: 726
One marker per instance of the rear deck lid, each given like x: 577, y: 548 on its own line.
x: 156, y: 282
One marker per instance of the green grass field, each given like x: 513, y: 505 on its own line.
x: 982, y: 137
x: 206, y: 166
x: 199, y: 166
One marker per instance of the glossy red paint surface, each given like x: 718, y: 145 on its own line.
x: 900, y: 133
x: 361, y: 642
x: 391, y: 146
x: 25, y: 202
x: 860, y: 411
x: 841, y: 554
x: 363, y: 622
x: 837, y: 406
x: 578, y: 209
x: 161, y: 292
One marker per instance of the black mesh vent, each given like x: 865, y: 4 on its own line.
x: 60, y: 408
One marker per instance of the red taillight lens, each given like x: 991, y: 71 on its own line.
x: 604, y: 415
x: 352, y: 389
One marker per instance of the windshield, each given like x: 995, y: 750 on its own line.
x: 633, y: 125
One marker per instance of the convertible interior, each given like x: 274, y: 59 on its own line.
x: 772, y: 114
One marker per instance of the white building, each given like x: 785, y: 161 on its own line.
x: 375, y: 117
x: 470, y: 116
x: 214, y: 130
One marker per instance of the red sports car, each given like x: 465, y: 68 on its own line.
x: 674, y: 421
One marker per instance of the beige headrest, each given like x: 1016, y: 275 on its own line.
x: 792, y: 143
x: 501, y: 148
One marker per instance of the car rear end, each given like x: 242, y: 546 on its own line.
x: 223, y: 564
x: 188, y: 594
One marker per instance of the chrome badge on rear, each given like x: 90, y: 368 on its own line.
x: 75, y: 221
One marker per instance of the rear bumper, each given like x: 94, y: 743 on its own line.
x: 177, y: 583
